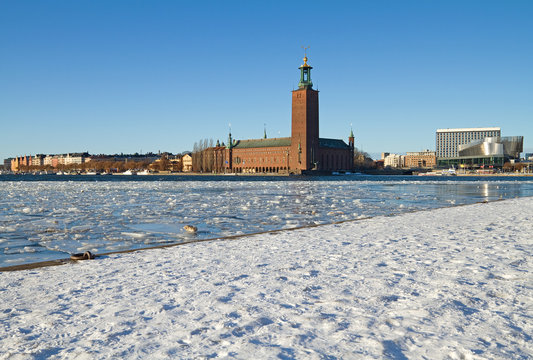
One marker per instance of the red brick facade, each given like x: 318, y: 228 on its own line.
x: 304, y: 146
x: 303, y: 151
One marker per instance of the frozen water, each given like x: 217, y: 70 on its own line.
x: 43, y: 220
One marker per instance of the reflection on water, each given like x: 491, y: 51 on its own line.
x: 484, y: 191
x: 42, y: 220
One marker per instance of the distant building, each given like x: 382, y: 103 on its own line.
x: 477, y: 147
x: 75, y: 158
x: 394, y: 160
x: 37, y: 160
x: 187, y: 163
x: 7, y: 164
x: 507, y: 148
x: 20, y: 163
x: 448, y: 140
x: 420, y: 159
x: 51, y: 160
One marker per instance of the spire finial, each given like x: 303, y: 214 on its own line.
x: 305, y: 54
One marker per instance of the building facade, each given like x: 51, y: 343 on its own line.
x: 420, y: 159
x: 394, y: 161
x: 187, y: 163
x: 448, y: 140
x: 476, y: 147
x: 508, y: 147
x: 302, y: 152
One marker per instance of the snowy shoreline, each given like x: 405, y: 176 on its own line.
x: 445, y: 283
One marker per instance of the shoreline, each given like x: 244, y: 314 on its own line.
x: 446, y: 283
x: 64, y: 261
x: 321, y: 173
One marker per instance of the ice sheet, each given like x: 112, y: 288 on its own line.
x: 72, y: 216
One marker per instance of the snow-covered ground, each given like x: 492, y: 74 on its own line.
x: 445, y: 283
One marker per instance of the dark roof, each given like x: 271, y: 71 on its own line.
x: 261, y: 143
x: 332, y: 143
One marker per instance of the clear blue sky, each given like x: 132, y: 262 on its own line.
x: 131, y: 76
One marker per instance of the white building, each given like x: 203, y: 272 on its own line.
x: 393, y: 160
x: 76, y: 158
x: 49, y: 160
x: 187, y: 163
x: 37, y: 160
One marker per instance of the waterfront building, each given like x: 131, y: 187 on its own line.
x: 448, y: 140
x: 187, y: 163
x: 75, y: 158
x: 506, y: 148
x: 20, y: 163
x: 51, y: 160
x: 394, y: 160
x: 7, y: 164
x: 37, y: 160
x: 420, y: 159
x: 477, y: 147
x: 302, y: 152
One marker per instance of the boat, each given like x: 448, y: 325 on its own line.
x: 144, y: 172
x: 450, y: 172
x: 129, y: 172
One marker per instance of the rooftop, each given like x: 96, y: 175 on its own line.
x: 470, y: 129
x: 332, y: 143
x: 259, y: 143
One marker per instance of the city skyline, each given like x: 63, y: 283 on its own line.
x: 126, y: 77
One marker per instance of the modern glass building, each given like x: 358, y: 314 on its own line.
x: 448, y: 140
x: 477, y: 147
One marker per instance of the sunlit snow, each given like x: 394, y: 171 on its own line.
x: 450, y: 283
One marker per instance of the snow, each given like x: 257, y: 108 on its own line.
x: 446, y: 283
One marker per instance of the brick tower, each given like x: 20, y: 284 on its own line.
x: 304, y: 137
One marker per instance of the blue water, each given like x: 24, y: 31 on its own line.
x: 46, y: 217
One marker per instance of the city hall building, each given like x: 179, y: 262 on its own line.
x: 303, y: 152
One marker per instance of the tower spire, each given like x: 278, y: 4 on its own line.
x: 351, y: 139
x: 230, y: 141
x: 305, y: 72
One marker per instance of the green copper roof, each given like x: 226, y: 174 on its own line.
x: 260, y: 143
x: 332, y: 143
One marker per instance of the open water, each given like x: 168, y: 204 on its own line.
x: 45, y: 217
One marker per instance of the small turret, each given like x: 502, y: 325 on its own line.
x: 230, y: 141
x: 305, y: 75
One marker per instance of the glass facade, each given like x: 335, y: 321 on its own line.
x: 448, y: 140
